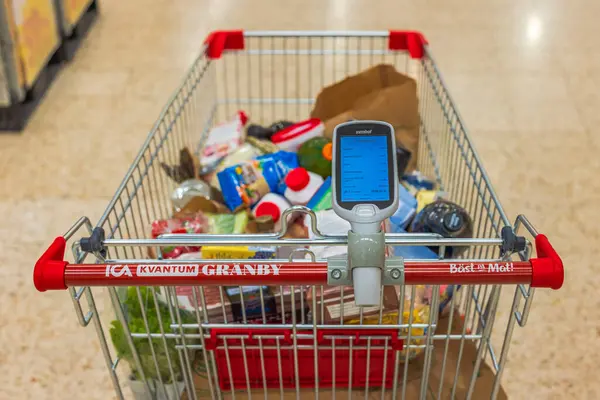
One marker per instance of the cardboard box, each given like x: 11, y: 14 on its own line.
x: 379, y: 93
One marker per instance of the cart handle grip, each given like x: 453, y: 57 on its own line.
x: 547, y: 269
x: 49, y: 270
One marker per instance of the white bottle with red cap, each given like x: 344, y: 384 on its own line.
x: 301, y: 186
x: 274, y: 205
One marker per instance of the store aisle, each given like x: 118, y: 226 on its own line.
x: 525, y: 75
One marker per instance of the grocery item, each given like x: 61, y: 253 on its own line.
x: 236, y: 252
x: 328, y: 223
x: 244, y: 184
x: 221, y: 224
x: 447, y: 219
x: 193, y: 188
x: 407, y: 207
x: 426, y: 197
x: 260, y: 132
x: 264, y: 146
x: 334, y: 309
x: 197, y: 223
x: 188, y: 167
x: 411, y: 252
x: 197, y: 204
x: 245, y: 152
x: 415, y: 253
x: 315, y: 155
x: 264, y: 224
x: 321, y: 200
x: 403, y: 157
x: 219, y: 307
x: 293, y: 136
x: 301, y: 185
x: 379, y: 93
x: 416, y: 181
x: 245, y: 302
x: 272, y: 205
x: 445, y: 295
x: 223, y: 139
x: 420, y: 315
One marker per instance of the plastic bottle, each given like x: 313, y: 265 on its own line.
x: 274, y: 205
x: 301, y: 186
x: 447, y: 219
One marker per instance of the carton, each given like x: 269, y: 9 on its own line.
x: 379, y: 93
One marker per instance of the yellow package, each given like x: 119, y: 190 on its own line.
x: 235, y: 252
x: 37, y: 36
x: 425, y: 197
x: 420, y: 316
x: 73, y: 9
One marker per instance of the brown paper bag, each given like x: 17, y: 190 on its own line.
x: 379, y: 93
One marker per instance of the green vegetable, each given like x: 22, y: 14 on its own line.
x: 314, y: 158
x: 135, y: 321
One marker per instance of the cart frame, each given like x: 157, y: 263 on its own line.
x: 276, y: 75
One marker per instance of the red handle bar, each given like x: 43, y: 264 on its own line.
x: 51, y: 272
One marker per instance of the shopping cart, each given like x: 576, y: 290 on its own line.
x: 273, y: 76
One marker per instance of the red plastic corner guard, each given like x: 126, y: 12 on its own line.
x: 49, y: 270
x: 547, y: 269
x: 412, y: 41
x: 219, y: 41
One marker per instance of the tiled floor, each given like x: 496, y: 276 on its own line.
x: 525, y: 75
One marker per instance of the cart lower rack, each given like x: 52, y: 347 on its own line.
x: 433, y: 335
